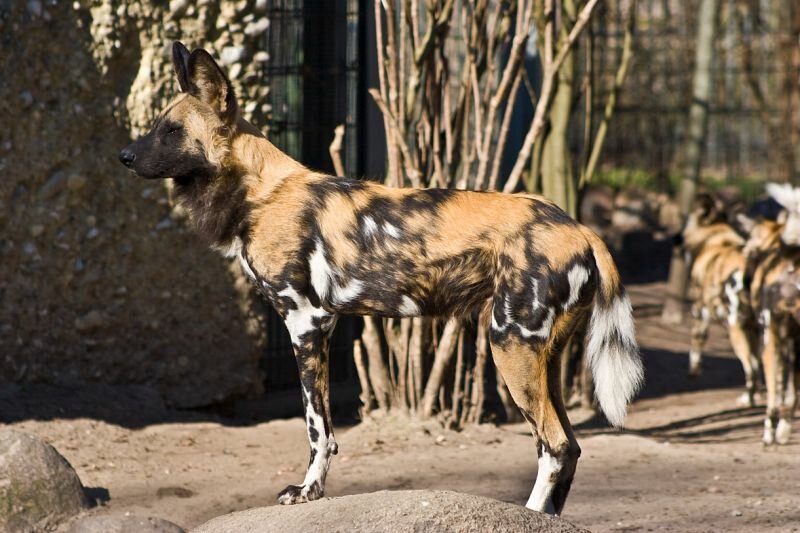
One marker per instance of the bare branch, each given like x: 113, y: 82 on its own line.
x: 546, y: 97
x: 619, y: 80
x: 393, y: 174
x: 504, y: 129
x: 363, y: 378
x: 411, y: 171
x: 436, y: 25
x: 444, y: 352
x: 377, y: 370
x: 512, y: 67
x: 335, y: 150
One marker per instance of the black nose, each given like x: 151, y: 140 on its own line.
x: 127, y: 157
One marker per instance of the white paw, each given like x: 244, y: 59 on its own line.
x: 695, y: 364
x: 745, y: 400
x: 783, y: 431
x: 300, y: 494
x: 769, y: 433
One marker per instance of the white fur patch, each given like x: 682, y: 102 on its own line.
x: 347, y: 293
x: 543, y: 331
x: 577, y: 277
x: 536, y: 303
x: 788, y: 197
x: 321, y: 271
x: 769, y: 432
x: 409, y: 307
x: 766, y: 317
x: 391, y: 230
x: 318, y: 469
x: 732, y: 292
x: 233, y: 248
x: 540, y: 499
x: 301, y: 320
x: 783, y: 432
x: 785, y: 194
x: 507, y: 312
x: 695, y: 356
x: 614, y: 357
x: 370, y: 226
x: 246, y: 267
x: 323, y: 279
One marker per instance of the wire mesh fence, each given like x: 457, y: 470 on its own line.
x: 313, y: 78
x: 753, y: 124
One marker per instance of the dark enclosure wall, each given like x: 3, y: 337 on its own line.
x: 100, y: 278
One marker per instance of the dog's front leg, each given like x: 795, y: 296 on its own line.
x: 311, y: 339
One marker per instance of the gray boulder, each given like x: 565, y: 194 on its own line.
x: 38, y: 487
x: 124, y: 524
x: 398, y: 512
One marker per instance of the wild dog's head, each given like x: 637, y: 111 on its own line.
x: 763, y: 237
x: 707, y: 209
x: 191, y: 137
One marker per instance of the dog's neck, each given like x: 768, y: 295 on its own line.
x: 219, y: 202
x: 264, y: 164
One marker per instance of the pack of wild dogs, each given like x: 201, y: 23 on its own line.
x: 745, y: 271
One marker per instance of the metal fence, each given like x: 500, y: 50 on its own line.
x: 313, y: 76
x: 754, y: 109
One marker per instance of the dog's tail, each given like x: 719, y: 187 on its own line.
x: 611, y: 348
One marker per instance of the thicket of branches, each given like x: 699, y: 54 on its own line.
x: 450, y: 72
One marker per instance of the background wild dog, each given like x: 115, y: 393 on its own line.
x: 716, y: 253
x: 318, y: 246
x: 775, y: 293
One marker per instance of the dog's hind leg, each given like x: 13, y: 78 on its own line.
x: 770, y: 355
x: 310, y: 328
x: 788, y: 399
x: 740, y: 330
x: 701, y: 319
x: 741, y: 344
x: 531, y: 371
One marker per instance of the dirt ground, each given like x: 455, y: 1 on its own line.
x: 690, y: 460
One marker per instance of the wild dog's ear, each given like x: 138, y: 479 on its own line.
x: 180, y: 59
x: 704, y: 204
x: 210, y: 85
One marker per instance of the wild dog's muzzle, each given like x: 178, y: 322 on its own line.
x: 127, y: 157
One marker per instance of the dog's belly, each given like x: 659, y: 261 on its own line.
x: 400, y: 288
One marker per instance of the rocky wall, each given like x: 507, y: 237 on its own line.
x: 100, y: 278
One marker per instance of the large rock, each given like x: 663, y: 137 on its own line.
x: 118, y: 308
x: 38, y: 487
x: 400, y: 511
x: 124, y: 524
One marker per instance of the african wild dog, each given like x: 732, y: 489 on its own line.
x: 319, y: 246
x: 774, y: 258
x: 716, y: 255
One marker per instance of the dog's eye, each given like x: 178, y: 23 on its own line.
x: 174, y: 129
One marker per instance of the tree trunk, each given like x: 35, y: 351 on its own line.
x: 695, y: 142
x: 558, y: 178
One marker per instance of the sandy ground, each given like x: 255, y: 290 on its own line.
x: 690, y: 460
